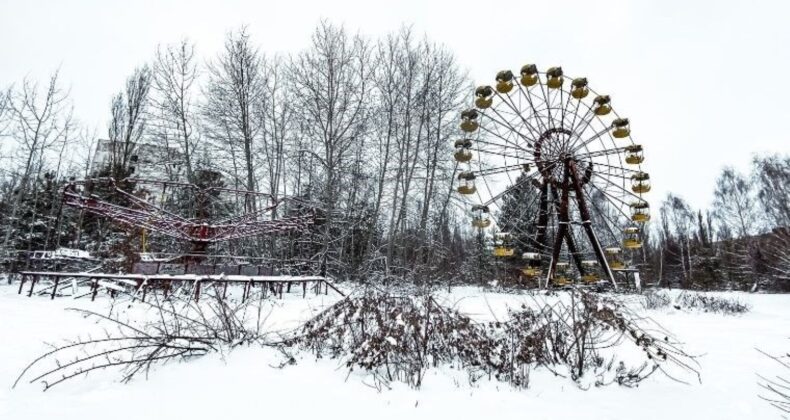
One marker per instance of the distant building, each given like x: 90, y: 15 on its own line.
x: 147, y: 160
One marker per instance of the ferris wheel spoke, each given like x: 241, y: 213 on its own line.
x: 509, y: 102
x: 563, y: 106
x: 605, y: 215
x: 525, y: 92
x: 543, y: 91
x: 586, y: 142
x: 632, y: 194
x: 504, y: 123
x: 585, y: 120
x: 508, y: 143
x: 609, y: 196
x: 527, y: 178
x: 575, y: 114
x: 602, y: 152
x: 621, y: 168
x: 499, y: 170
x: 525, y: 158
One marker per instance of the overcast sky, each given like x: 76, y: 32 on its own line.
x: 704, y: 83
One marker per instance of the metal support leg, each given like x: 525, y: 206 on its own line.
x: 32, y: 285
x: 197, y: 290
x: 55, y: 287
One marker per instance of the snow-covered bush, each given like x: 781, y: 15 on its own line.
x: 690, y: 300
x: 656, y: 299
x: 394, y: 337
x: 400, y: 337
x: 710, y: 303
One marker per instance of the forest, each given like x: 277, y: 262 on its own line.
x: 362, y: 128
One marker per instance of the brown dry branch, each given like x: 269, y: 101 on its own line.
x: 180, y: 329
x: 778, y: 387
x: 400, y: 337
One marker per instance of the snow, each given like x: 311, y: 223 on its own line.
x: 245, y: 384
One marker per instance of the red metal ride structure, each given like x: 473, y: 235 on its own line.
x: 146, y: 208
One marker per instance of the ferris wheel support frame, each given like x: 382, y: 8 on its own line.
x: 584, y: 212
x: 573, y: 250
x: 571, y: 179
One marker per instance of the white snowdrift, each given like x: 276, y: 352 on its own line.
x: 243, y: 384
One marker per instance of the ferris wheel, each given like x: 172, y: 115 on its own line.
x: 550, y: 166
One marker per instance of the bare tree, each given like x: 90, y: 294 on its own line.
x: 419, y: 90
x: 276, y: 119
x: 5, y: 109
x: 444, y: 98
x: 5, y: 121
x: 772, y: 179
x: 174, y: 81
x: 735, y: 205
x: 332, y: 81
x: 39, y: 121
x: 235, y: 89
x: 128, y: 121
x: 677, y: 220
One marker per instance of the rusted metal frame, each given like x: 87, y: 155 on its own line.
x: 572, y: 249
x: 55, y: 287
x: 564, y: 220
x: 587, y: 222
x: 32, y: 285
x: 543, y: 215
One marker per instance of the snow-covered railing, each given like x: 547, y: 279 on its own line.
x: 141, y: 283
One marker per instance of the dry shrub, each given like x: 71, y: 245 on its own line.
x: 579, y: 335
x: 710, y: 303
x: 177, y: 329
x: 393, y: 337
x: 777, y: 386
x: 656, y: 299
x: 400, y: 337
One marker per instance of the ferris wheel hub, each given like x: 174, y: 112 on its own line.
x: 553, y: 153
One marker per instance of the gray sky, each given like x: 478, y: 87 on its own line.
x: 703, y: 82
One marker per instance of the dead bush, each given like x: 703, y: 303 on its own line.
x: 400, y: 337
x: 176, y: 329
x: 777, y: 386
x: 656, y: 299
x: 393, y: 337
x: 710, y: 303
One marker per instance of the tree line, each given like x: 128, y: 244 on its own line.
x: 742, y: 242
x: 363, y: 127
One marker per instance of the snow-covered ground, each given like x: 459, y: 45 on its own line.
x: 244, y: 384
